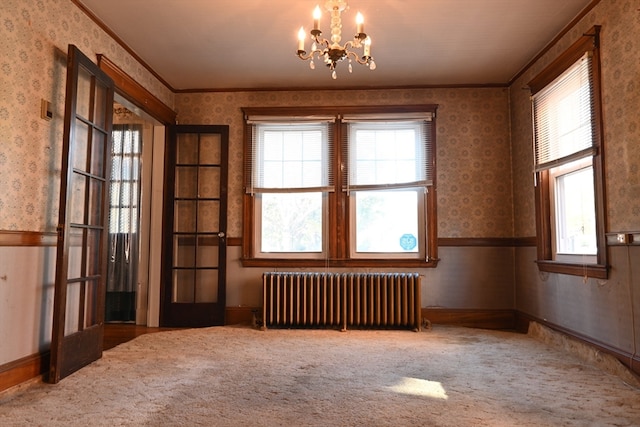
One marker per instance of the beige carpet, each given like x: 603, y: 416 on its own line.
x: 238, y: 376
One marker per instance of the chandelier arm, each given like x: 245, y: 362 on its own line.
x: 302, y: 54
x: 321, y: 41
x: 364, y: 60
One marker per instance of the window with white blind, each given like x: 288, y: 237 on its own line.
x: 290, y: 177
x: 389, y: 176
x: 568, y: 162
x: 348, y: 187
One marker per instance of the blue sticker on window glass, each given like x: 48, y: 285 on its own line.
x: 408, y: 242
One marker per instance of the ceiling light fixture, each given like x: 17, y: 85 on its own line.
x: 331, y: 51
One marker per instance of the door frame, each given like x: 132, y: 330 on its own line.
x: 132, y: 91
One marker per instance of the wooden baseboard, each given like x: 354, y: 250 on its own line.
x: 25, y: 369
x: 242, y: 314
x: 631, y: 361
x: 472, y: 318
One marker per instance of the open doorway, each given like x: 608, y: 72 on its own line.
x: 130, y: 214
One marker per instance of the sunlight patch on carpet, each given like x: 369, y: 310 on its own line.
x: 420, y: 387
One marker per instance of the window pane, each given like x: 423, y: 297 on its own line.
x: 387, y: 221
x: 563, y: 114
x: 386, y: 153
x: 291, y: 222
x: 292, y: 157
x: 575, y: 213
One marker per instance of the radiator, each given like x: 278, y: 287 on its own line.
x: 362, y: 300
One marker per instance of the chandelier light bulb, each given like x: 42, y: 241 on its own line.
x: 359, y: 23
x: 317, y: 14
x: 301, y: 36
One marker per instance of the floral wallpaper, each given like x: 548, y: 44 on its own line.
x: 34, y: 35
x: 476, y: 191
x: 472, y: 137
x: 620, y: 69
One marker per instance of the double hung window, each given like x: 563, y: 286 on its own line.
x: 568, y: 162
x: 352, y: 187
x: 290, y: 176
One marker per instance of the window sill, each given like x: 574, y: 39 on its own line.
x: 596, y: 271
x: 335, y: 263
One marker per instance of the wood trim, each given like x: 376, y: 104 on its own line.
x: 589, y: 270
x: 338, y: 110
x: 504, y: 319
x: 118, y: 40
x: 241, y: 314
x: 587, y: 43
x: 338, y: 263
x: 329, y: 88
x: 631, y: 361
x: 25, y: 369
x: 28, y: 238
x: 487, y: 241
x: 461, y: 241
x: 234, y: 241
x: 543, y: 215
x: 136, y: 93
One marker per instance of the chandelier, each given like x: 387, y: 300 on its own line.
x: 331, y: 51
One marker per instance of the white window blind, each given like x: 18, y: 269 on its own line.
x: 563, y: 117
x: 290, y: 155
x: 388, y: 154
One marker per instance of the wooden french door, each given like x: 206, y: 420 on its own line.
x: 78, y: 311
x: 195, y: 251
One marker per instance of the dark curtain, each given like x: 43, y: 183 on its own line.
x: 122, y: 275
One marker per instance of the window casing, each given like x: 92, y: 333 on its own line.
x: 355, y: 191
x: 568, y: 162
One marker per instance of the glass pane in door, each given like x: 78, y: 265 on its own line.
x: 208, y: 216
x: 80, y: 145
x: 72, y: 319
x: 187, y: 149
x: 185, y: 216
x: 210, y: 149
x: 206, y: 286
x: 183, y: 286
x: 83, y: 95
x: 209, y: 182
x: 184, y: 251
x: 186, y: 177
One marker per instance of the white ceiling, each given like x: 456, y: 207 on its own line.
x: 231, y: 44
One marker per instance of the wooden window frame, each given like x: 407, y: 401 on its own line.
x: 338, y: 245
x: 588, y: 42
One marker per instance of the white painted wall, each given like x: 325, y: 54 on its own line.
x: 27, y: 276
